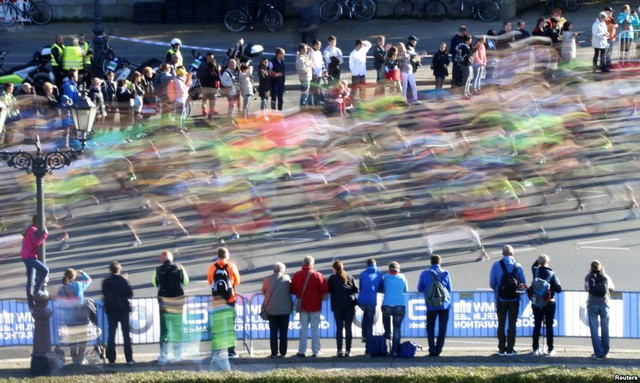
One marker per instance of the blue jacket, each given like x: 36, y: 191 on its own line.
x: 426, y: 279
x: 394, y: 286
x: 496, y: 276
x: 370, y: 280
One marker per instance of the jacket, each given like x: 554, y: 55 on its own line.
x: 394, y: 286
x: 304, y: 68
x: 543, y: 272
x: 370, y: 280
x: 116, y: 291
x: 317, y: 288
x: 74, y: 291
x: 598, y: 35
x: 426, y: 279
x: 30, y: 242
x: 358, y: 60
x: 343, y: 295
x: 72, y: 57
x: 599, y: 301
x: 440, y: 64
x: 379, y: 55
x: 246, y: 83
x: 277, y: 294
x: 169, y: 287
x: 234, y: 276
x: 56, y: 55
x: 496, y: 276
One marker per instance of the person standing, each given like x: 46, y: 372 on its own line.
x: 546, y: 309
x: 72, y: 57
x: 303, y: 67
x: 407, y: 78
x: 318, y: 70
x: 245, y: 79
x: 224, y: 278
x: 464, y: 51
x: 277, y: 71
x: 370, y: 280
x: 174, y: 55
x: 394, y: 286
x: 505, y: 273
x: 379, y: 56
x: 117, y: 292
x: 87, y: 54
x: 277, y: 304
x: 416, y: 62
x: 343, y: 289
x: 358, y: 68
x: 56, y: 60
x: 456, y: 70
x: 264, y: 86
x: 612, y: 30
x: 230, y: 88
x: 310, y: 287
x: 37, y: 272
x: 170, y: 278
x: 599, y: 285
x: 600, y: 43
x: 439, y: 312
x: 440, y: 67
x: 332, y: 60
x: 75, y: 313
x: 210, y: 82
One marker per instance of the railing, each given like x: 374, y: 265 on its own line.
x: 473, y: 315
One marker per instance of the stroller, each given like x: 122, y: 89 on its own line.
x: 78, y: 329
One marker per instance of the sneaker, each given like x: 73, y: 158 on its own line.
x: 512, y: 353
x: 552, y: 353
x: 233, y: 355
x: 537, y: 352
x: 111, y: 364
x: 502, y: 353
x: 314, y: 355
x: 347, y: 354
x: 299, y: 355
x: 340, y: 354
x: 367, y: 355
x: 136, y: 243
x: 598, y: 357
x: 131, y: 363
x: 162, y: 361
x: 416, y: 102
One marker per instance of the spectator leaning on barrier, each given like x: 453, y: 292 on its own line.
x: 394, y: 286
x: 543, y: 309
x: 599, y: 285
x: 277, y: 70
x: 117, y: 291
x: 224, y: 278
x: 370, y: 280
x: 277, y: 304
x: 343, y: 289
x: 507, y: 298
x: 358, y: 68
x: 310, y: 288
x: 437, y: 301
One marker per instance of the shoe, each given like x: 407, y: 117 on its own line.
x: 552, y: 353
x: 598, y: 357
x: 233, y: 355
x: 273, y: 356
x: 162, y: 361
x: 340, y: 354
x: 131, y: 363
x: 502, y: 353
x: 512, y: 353
x: 299, y: 355
x: 367, y: 355
x: 537, y: 352
x: 347, y: 354
x: 111, y: 364
x: 416, y: 102
x: 434, y: 354
x: 314, y: 355
x: 136, y: 243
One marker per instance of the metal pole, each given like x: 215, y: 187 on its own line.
x: 98, y: 41
x: 97, y: 18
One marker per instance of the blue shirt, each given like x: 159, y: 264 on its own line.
x: 426, y: 279
x: 370, y: 280
x: 496, y: 275
x: 394, y: 287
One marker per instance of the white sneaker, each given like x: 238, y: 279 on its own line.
x: 551, y: 353
x: 537, y: 352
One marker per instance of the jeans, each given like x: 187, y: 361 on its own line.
x: 510, y: 309
x: 439, y: 82
x: 37, y: 272
x: 599, y: 57
x: 278, y: 326
x: 477, y: 79
x: 397, y: 312
x: 263, y: 103
x: 315, y: 91
x: 408, y: 80
x: 368, y: 315
x: 246, y: 103
x: 547, y: 313
x: 123, y: 319
x: 467, y: 76
x: 435, y: 347
x: 608, y: 53
x: 600, y: 341
x: 307, y: 318
x: 305, y: 86
x: 344, y: 321
x: 277, y: 92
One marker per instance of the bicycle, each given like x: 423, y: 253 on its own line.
x: 434, y: 10
x: 236, y: 20
x: 569, y: 5
x: 38, y: 12
x: 485, y: 10
x: 332, y: 10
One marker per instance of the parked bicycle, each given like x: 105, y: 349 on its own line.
x: 332, y: 10
x: 434, y: 10
x: 569, y: 5
x: 38, y: 12
x: 236, y: 20
x: 485, y: 10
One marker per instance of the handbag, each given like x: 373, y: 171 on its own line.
x: 265, y: 303
x: 298, y: 304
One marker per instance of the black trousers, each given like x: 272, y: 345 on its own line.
x: 507, y: 310
x: 278, y: 328
x: 123, y: 319
x: 547, y: 313
x: 344, y: 321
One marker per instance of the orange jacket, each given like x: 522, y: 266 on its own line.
x: 234, y: 276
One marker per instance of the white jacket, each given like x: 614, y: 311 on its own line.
x: 599, y: 35
x: 358, y: 60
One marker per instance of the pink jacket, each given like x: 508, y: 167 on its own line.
x: 480, y: 57
x: 31, y: 241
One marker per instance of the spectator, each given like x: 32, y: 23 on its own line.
x: 599, y: 42
x: 237, y: 51
x: 379, y: 56
x: 466, y: 54
x: 440, y: 67
x: 456, y: 72
x: 318, y: 70
x: 75, y: 314
x: 568, y: 51
x: 332, y: 60
x: 310, y: 288
x: 407, y: 78
x: 599, y: 285
x: 305, y: 75
x: 210, y: 82
x: 125, y: 107
x: 277, y: 304
x: 224, y: 279
x: 441, y: 312
x: 392, y: 70
x: 230, y: 88
x: 521, y: 27
x: 49, y: 107
x: 394, y: 286
x: 370, y: 280
x: 358, y: 68
x: 416, y: 63
x: 117, y: 291
x: 148, y: 77
x: 182, y: 82
x: 277, y: 69
x: 507, y: 305
x: 544, y: 311
x: 479, y: 63
x: 612, y: 30
x: 343, y: 289
x: 110, y: 89
x: 37, y: 272
x: 506, y: 36
x: 264, y: 85
x: 170, y: 278
x: 626, y: 21
x: 541, y: 28
x: 13, y: 112
x: 56, y: 60
x: 245, y: 80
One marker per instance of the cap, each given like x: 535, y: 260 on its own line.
x: 412, y: 37
x: 602, y: 14
x: 181, y: 72
x: 608, y: 8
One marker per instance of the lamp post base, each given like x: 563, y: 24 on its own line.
x: 42, y: 361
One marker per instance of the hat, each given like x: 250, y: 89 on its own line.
x: 608, y: 8
x: 602, y: 14
x: 209, y: 54
x: 412, y: 37
x: 181, y: 72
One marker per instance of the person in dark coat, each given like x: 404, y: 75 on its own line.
x: 440, y: 65
x: 342, y: 288
x: 117, y: 291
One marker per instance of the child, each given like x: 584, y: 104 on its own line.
x: 96, y: 95
x: 392, y: 70
x: 440, y: 65
x: 264, y: 84
x: 125, y: 105
x: 246, y: 87
x: 340, y: 95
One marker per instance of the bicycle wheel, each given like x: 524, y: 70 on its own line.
x: 330, y: 11
x: 235, y: 20
x: 365, y: 9
x: 434, y: 10
x: 573, y: 5
x: 403, y: 10
x: 8, y: 15
x: 454, y: 9
x: 273, y: 20
x: 488, y: 10
x: 40, y: 13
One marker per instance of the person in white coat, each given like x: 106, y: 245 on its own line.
x: 599, y: 42
x: 358, y: 68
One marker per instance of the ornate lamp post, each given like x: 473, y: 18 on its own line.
x: 41, y: 164
x: 99, y: 40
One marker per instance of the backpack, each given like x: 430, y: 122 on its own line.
x: 407, y: 350
x: 459, y: 57
x: 437, y: 295
x: 541, y: 290
x: 172, y: 91
x: 169, y: 281
x: 221, y: 286
x: 376, y: 345
x: 509, y: 284
x: 598, y: 284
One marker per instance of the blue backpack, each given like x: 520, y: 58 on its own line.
x: 407, y: 350
x: 377, y: 346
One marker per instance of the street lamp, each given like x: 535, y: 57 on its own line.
x: 99, y: 41
x: 41, y: 164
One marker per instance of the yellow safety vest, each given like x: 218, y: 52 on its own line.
x: 172, y: 52
x: 60, y: 49
x: 72, y: 58
x: 87, y: 54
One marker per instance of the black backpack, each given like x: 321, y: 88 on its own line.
x: 598, y: 284
x: 221, y: 286
x: 509, y: 284
x: 169, y: 280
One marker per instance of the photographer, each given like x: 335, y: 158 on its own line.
x: 568, y: 50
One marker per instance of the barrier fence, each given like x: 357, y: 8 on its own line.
x: 473, y: 315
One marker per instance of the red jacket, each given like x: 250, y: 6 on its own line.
x: 317, y: 288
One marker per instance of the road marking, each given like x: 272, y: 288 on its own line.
x: 602, y: 248
x: 598, y: 241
